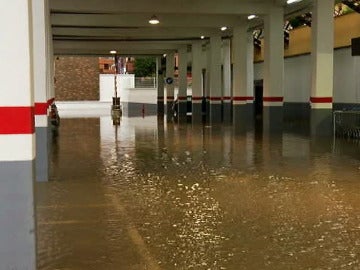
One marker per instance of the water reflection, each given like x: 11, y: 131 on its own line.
x: 157, y: 195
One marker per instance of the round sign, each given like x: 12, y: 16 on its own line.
x: 169, y: 80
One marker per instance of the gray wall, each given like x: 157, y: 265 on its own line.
x: 298, y: 77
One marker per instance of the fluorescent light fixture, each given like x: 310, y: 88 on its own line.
x: 154, y: 20
x: 223, y: 28
x: 202, y: 37
x: 113, y: 52
x: 252, y: 16
x: 292, y: 1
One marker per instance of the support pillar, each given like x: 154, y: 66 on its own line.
x: 41, y: 80
x: 197, y: 83
x: 242, y: 78
x: 322, y: 55
x: 170, y: 64
x: 17, y: 140
x: 160, y: 88
x: 274, y: 70
x: 226, y: 81
x: 182, y: 95
x: 215, y: 80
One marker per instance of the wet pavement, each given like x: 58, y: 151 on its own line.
x: 149, y: 195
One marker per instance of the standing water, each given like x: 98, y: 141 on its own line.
x: 149, y: 195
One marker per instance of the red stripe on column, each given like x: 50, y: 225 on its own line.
x: 17, y: 120
x: 273, y: 99
x: 197, y: 98
x: 182, y: 98
x: 321, y: 99
x: 170, y: 97
x: 243, y: 98
x: 50, y: 101
x: 41, y: 108
x: 226, y: 98
x: 215, y: 98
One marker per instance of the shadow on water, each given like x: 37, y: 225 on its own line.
x: 182, y: 196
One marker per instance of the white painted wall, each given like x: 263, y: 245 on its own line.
x: 297, y: 83
x: 139, y: 95
x: 106, y: 85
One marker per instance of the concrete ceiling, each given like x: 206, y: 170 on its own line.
x: 94, y: 27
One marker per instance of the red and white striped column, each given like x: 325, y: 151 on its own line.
x: 242, y: 76
x: 197, y: 82
x: 42, y: 85
x: 226, y: 55
x: 170, y: 67
x: 322, y: 55
x: 182, y: 94
x: 17, y: 139
x: 273, y: 99
x: 215, y: 79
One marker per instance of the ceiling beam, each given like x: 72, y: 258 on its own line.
x: 141, y: 20
x: 235, y: 7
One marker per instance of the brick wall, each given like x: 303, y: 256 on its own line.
x: 76, y: 78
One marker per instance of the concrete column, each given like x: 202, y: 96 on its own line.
x: 215, y: 80
x: 17, y: 139
x: 50, y: 56
x: 170, y: 64
x: 197, y: 91
x: 41, y: 80
x: 182, y: 95
x: 322, y: 54
x: 160, y: 88
x: 226, y: 81
x: 274, y: 70
x: 242, y: 77
x: 250, y: 79
x: 207, y: 63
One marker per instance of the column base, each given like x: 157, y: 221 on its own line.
x: 273, y: 119
x: 296, y: 117
x: 197, y: 113
x: 42, y: 154
x: 160, y: 108
x: 321, y: 122
x: 227, y: 112
x: 17, y: 225
x: 243, y: 117
x: 182, y: 111
x: 215, y: 115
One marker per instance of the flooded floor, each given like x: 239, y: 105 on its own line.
x: 148, y: 195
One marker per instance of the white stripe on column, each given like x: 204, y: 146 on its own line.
x: 273, y: 104
x: 239, y: 102
x: 17, y: 147
x: 321, y: 106
x: 41, y: 121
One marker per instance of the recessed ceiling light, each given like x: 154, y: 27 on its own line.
x: 113, y: 52
x: 223, y: 28
x: 202, y: 37
x: 252, y: 16
x: 292, y: 1
x: 154, y: 20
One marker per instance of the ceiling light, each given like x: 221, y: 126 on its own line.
x: 202, y: 37
x: 154, y: 20
x: 113, y: 52
x: 252, y: 16
x: 223, y: 28
x: 292, y: 1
